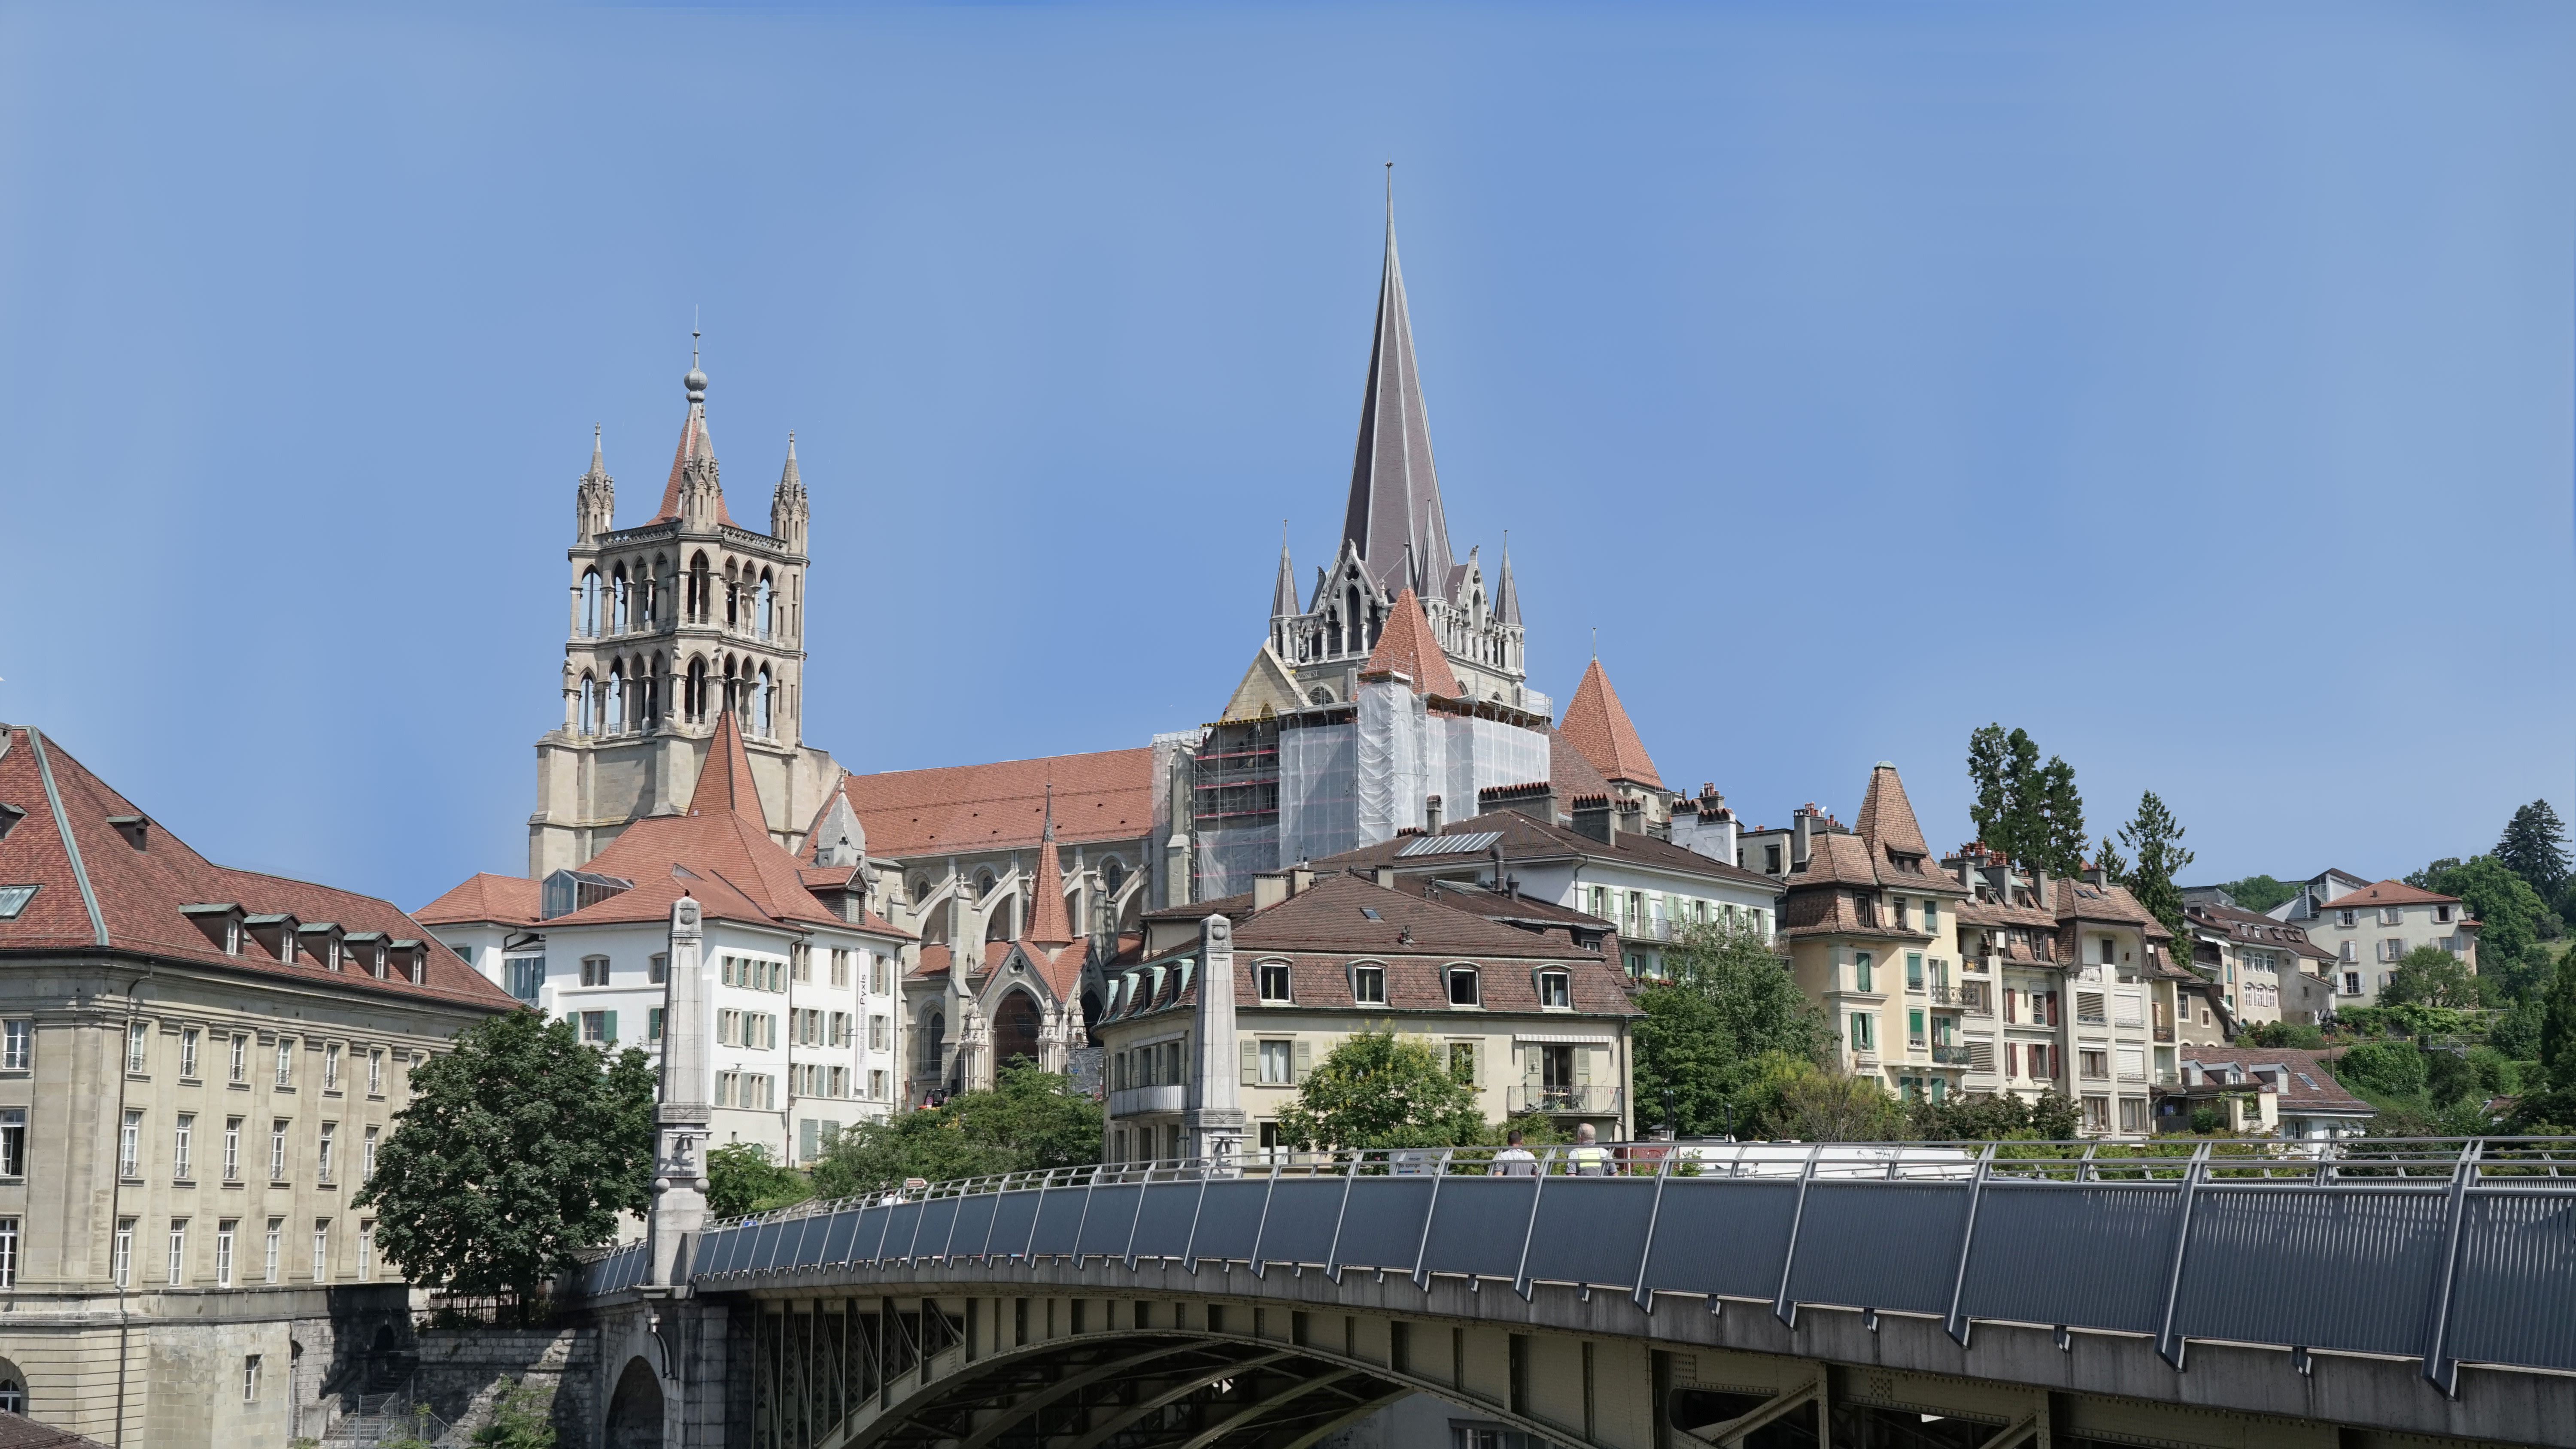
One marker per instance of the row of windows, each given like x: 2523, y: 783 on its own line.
x: 755, y: 1090
x: 175, y: 1264
x: 618, y: 604
x: 183, y: 1147
x: 1465, y: 985
x: 1660, y: 913
x: 325, y: 944
x: 2396, y: 916
x: 636, y: 694
x: 17, y: 1055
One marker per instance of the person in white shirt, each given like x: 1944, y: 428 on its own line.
x: 1514, y: 1160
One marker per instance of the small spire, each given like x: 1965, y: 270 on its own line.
x: 594, y: 445
x: 696, y: 381
x: 789, y: 480
x: 1048, y: 832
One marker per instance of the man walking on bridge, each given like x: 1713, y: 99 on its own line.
x: 1514, y: 1160
x: 1591, y: 1159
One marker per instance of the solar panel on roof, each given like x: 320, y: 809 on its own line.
x: 1449, y: 844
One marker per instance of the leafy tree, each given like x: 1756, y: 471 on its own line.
x: 2430, y: 976
x: 2534, y: 846
x: 1029, y: 1120
x: 2054, y: 1117
x: 2061, y: 810
x: 519, y: 1147
x: 2516, y: 1033
x: 2258, y: 892
x: 521, y: 1419
x: 2155, y: 838
x: 2393, y: 1067
x: 741, y: 1179
x: 1727, y: 1000
x: 2498, y: 1075
x: 2509, y: 914
x: 2558, y: 1029
x: 1814, y: 1104
x: 2287, y: 1034
x: 1377, y: 1089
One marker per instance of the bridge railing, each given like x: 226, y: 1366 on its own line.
x: 2445, y: 1250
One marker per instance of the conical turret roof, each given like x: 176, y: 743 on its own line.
x: 725, y: 785
x: 1597, y: 725
x: 1408, y: 645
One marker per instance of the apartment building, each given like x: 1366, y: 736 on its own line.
x: 2264, y: 1092
x: 1533, y: 1021
x: 2265, y: 970
x: 2072, y: 987
x: 2370, y: 928
x: 197, y: 1066
x: 805, y: 1019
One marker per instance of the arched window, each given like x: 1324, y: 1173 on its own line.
x: 761, y: 607
x: 13, y: 1388
x: 760, y: 703
x: 621, y: 619
x: 695, y: 705
x: 984, y: 881
x: 920, y: 889
x: 1351, y: 621
x: 733, y: 598
x: 1113, y: 874
x: 589, y: 706
x: 1321, y: 695
x: 614, y: 715
x: 590, y: 603
x: 701, y: 589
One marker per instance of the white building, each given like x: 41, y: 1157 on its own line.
x: 2370, y: 928
x: 804, y: 1019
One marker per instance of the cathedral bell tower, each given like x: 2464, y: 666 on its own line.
x: 675, y: 622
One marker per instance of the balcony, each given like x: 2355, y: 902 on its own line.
x: 1137, y: 1101
x: 2131, y: 1023
x: 2086, y: 1018
x: 1588, y: 1099
x: 1943, y: 994
x: 2138, y: 1078
x: 2164, y: 1032
x: 1950, y: 1056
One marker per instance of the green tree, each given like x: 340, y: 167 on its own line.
x: 521, y: 1419
x: 2534, y: 846
x: 2558, y: 1029
x: 2430, y: 976
x: 1803, y: 1101
x: 741, y: 1179
x: 1377, y: 1089
x: 2509, y: 915
x: 2258, y: 892
x: 2395, y: 1068
x: 2029, y: 811
x: 1029, y: 1120
x: 1728, y: 999
x: 1962, y: 1118
x: 2154, y: 840
x: 519, y: 1147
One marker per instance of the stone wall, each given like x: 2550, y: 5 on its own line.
x: 463, y: 1373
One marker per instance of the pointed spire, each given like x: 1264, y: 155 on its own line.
x: 787, y: 505
x: 598, y: 462
x: 1507, y: 595
x: 724, y: 781
x: 1887, y: 818
x: 697, y: 451
x: 595, y: 496
x: 1283, y: 595
x: 788, y: 477
x: 1408, y: 645
x: 1395, y: 494
x: 1598, y: 728
x: 1048, y: 925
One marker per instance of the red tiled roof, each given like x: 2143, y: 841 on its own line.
x: 1407, y: 645
x: 1887, y: 817
x: 138, y: 891
x: 2389, y: 893
x: 1047, y: 925
x: 20, y: 1432
x: 693, y: 439
x: 1597, y: 725
x: 503, y: 899
x: 724, y: 782
x: 1104, y: 795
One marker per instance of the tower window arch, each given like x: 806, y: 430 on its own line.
x: 613, y: 711
x: 701, y: 585
x: 762, y: 605
x: 590, y: 603
x: 621, y: 616
x: 1351, y: 621
x: 694, y: 701
x: 760, y: 703
x: 589, y: 717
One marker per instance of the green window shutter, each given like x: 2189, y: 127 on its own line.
x: 1531, y: 1056
x: 1305, y: 1058
x: 1479, y: 1067
x: 1251, y: 1062
x: 609, y: 1034
x: 653, y: 1022
x: 1583, y: 1066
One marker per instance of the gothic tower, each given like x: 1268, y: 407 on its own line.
x: 675, y: 621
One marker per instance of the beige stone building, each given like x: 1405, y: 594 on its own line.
x: 2264, y: 970
x: 1535, y: 1021
x: 197, y: 1065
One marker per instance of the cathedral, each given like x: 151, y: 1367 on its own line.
x: 677, y: 621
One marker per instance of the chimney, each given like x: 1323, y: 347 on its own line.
x: 1597, y: 816
x: 1269, y: 889
x: 1431, y: 814
x: 1798, y: 832
x: 1385, y: 877
x: 2094, y: 875
x: 1301, y: 880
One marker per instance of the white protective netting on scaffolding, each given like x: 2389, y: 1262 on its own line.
x: 1389, y: 788
x: 1318, y: 792
x: 1229, y: 856
x: 1480, y: 754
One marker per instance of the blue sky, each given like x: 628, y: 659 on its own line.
x: 2187, y: 384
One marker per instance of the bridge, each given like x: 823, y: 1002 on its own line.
x: 1979, y: 1297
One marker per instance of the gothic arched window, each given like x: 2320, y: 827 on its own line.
x: 760, y: 704
x: 621, y: 617
x: 1351, y: 621
x: 589, y: 717
x: 761, y: 605
x: 701, y: 586
x: 695, y: 702
x: 1113, y: 874
x: 590, y: 603
x: 614, y: 715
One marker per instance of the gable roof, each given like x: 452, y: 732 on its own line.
x: 97, y: 888
x: 1103, y: 795
x: 1525, y: 837
x: 507, y: 900
x: 1407, y: 645
x: 1597, y: 726
x: 1267, y: 686
x: 2305, y: 1084
x: 2388, y: 893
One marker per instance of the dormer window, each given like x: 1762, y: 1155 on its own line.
x: 13, y: 899
x: 1368, y: 985
x: 1555, y: 989
x: 135, y: 828
x: 10, y: 815
x: 1274, y: 982
x: 1462, y: 987
x: 220, y: 924
x: 274, y: 933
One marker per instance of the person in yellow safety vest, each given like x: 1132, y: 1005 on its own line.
x: 1589, y: 1157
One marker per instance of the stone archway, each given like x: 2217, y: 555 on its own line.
x: 1015, y: 1028
x: 634, y: 1409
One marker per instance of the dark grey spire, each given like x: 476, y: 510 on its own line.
x: 1507, y: 597
x: 1395, y: 495
x: 1283, y: 596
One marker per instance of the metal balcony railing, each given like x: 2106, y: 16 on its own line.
x: 1583, y: 1099
x: 1950, y: 1056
